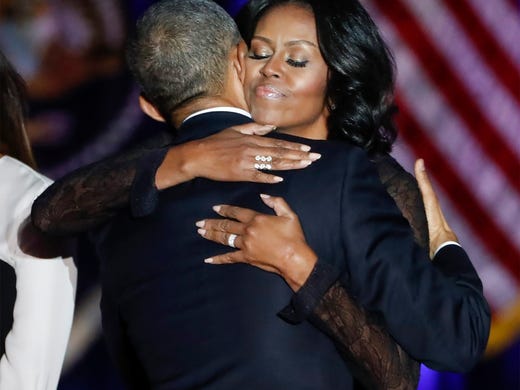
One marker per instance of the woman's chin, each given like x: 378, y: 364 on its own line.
x: 266, y: 117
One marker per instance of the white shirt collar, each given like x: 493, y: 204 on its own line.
x: 219, y: 109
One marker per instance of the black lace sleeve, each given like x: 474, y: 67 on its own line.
x: 90, y: 195
x: 403, y: 188
x: 376, y: 360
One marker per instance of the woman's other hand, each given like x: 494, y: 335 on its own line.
x: 439, y: 230
x: 230, y: 155
x: 274, y: 243
x: 34, y: 243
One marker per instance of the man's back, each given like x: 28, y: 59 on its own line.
x: 199, y: 326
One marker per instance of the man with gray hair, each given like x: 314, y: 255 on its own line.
x: 178, y: 59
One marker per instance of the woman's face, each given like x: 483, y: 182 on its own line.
x: 286, y: 76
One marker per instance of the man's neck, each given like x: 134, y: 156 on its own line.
x: 200, y: 104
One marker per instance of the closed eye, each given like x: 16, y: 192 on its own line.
x: 255, y: 56
x: 296, y: 64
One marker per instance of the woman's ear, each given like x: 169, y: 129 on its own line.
x: 150, y: 110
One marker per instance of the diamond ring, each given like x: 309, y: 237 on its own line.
x: 263, y: 166
x: 263, y: 158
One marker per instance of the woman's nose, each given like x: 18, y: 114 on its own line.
x: 271, y: 68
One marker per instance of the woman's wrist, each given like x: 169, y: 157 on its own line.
x: 299, y: 266
x: 175, y: 168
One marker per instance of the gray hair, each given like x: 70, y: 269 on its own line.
x: 180, y: 51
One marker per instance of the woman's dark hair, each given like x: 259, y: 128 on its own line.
x: 12, y: 114
x: 361, y: 69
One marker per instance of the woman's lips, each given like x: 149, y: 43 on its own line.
x: 268, y: 92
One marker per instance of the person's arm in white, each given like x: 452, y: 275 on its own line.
x: 43, y: 311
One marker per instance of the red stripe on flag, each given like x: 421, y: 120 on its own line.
x: 453, y: 89
x: 501, y: 64
x: 482, y: 224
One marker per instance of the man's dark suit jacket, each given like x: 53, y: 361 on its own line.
x: 174, y: 322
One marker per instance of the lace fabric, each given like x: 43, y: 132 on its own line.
x: 374, y: 358
x: 88, y: 197
x: 403, y: 188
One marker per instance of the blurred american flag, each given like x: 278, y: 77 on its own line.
x: 458, y: 91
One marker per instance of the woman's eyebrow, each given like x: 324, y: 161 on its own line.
x: 290, y: 43
x: 300, y: 42
x: 261, y: 38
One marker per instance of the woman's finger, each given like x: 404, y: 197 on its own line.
x: 221, y: 225
x: 278, y: 204
x: 254, y: 128
x: 256, y: 176
x: 439, y: 230
x: 267, y: 142
x: 226, y: 258
x: 234, y: 212
x: 256, y: 132
x: 431, y: 203
x: 238, y: 257
x: 284, y: 164
x: 229, y: 239
x: 425, y: 185
x: 259, y: 173
x: 278, y: 153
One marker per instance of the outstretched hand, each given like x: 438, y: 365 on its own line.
x: 438, y: 227
x: 231, y: 155
x: 274, y: 243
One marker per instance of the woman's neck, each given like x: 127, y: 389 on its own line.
x: 315, y: 130
x: 310, y: 133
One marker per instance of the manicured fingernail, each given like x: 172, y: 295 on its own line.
x: 200, y: 223
x: 201, y: 231
x: 314, y: 156
x: 265, y: 196
x: 278, y: 179
x: 273, y: 128
x: 305, y: 148
x: 306, y: 163
x: 209, y: 260
x: 217, y: 208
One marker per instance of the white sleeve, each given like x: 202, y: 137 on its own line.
x: 43, y: 311
x: 42, y: 318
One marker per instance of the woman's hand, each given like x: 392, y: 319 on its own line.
x: 41, y: 246
x: 230, y: 155
x: 274, y: 243
x: 439, y: 230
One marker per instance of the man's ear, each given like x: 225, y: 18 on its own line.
x: 150, y: 110
x: 241, y: 60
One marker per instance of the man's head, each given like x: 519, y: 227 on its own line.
x: 180, y: 51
